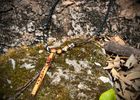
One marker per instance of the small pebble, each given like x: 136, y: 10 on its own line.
x: 40, y: 51
x: 98, y: 64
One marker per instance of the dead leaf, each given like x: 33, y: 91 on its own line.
x: 123, y: 73
x: 135, y: 68
x: 128, y: 8
x: 126, y: 80
x: 117, y: 61
x: 120, y: 95
x: 136, y: 85
x: 131, y: 61
x: 115, y: 74
x: 134, y: 75
x: 114, y: 63
x: 117, y: 86
x: 128, y: 13
x: 128, y: 95
x: 122, y: 61
x: 110, y: 66
x: 118, y: 40
x: 123, y: 86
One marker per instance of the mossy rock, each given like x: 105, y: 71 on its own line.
x: 72, y: 75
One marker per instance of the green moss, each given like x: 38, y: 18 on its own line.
x: 19, y: 76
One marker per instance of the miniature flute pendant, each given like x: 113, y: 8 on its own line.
x: 47, y: 65
x: 43, y: 73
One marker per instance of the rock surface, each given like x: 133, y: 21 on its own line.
x: 72, y: 75
x: 21, y: 21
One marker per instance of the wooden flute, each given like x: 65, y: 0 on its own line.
x: 43, y: 73
x: 47, y: 65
